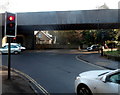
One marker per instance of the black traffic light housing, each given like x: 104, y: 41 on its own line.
x: 10, y: 24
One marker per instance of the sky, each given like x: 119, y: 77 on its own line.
x: 57, y: 5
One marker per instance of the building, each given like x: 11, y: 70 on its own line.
x: 43, y: 37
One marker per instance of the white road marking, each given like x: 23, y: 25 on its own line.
x: 89, y: 63
x: 32, y: 81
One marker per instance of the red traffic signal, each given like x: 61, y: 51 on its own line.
x: 11, y: 18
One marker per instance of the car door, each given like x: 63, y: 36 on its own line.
x: 112, y: 84
x: 5, y: 49
x: 13, y: 48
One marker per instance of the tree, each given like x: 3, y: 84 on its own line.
x: 80, y: 37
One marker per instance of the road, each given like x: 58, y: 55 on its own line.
x: 54, y: 70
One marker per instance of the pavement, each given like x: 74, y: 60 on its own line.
x: 96, y: 59
x: 17, y: 85
x: 21, y: 86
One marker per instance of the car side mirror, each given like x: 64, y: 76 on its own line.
x: 105, y: 79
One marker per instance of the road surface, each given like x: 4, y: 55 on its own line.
x: 54, y: 70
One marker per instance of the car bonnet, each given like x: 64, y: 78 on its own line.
x: 93, y: 74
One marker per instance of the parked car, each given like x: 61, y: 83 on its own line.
x: 16, y: 44
x: 93, y: 48
x: 98, y: 82
x: 14, y: 49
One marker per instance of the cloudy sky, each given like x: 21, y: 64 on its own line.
x: 57, y: 5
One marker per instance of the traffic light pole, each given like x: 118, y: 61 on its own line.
x: 9, y: 59
x: 10, y: 32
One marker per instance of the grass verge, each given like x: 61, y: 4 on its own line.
x: 113, y: 53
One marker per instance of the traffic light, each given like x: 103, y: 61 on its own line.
x: 10, y: 24
x: 14, y: 38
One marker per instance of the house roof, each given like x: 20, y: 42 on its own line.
x: 48, y: 36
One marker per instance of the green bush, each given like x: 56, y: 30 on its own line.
x: 113, y: 53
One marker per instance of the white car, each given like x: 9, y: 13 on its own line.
x: 14, y: 49
x: 93, y: 48
x: 98, y: 82
x: 21, y: 47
